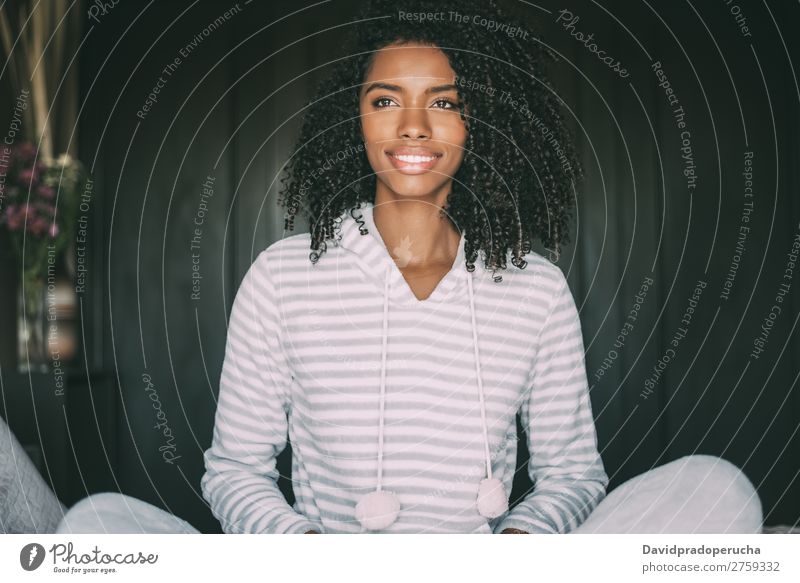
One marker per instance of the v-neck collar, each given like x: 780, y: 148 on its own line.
x: 376, y: 261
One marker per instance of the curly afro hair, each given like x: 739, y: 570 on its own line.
x: 517, y: 178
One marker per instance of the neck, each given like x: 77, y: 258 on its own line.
x: 414, y: 233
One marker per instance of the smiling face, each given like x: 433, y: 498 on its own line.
x: 411, y: 123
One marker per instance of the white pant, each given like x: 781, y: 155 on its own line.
x: 115, y: 513
x: 699, y: 494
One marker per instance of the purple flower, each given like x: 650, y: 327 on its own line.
x: 14, y: 218
x: 49, y: 212
x: 24, y: 152
x: 31, y: 191
x: 28, y: 175
x: 37, y: 226
x: 46, y: 192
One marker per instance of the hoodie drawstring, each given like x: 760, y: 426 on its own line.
x: 383, y: 377
x: 379, y: 509
x: 478, y: 375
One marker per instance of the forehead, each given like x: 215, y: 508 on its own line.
x: 411, y: 65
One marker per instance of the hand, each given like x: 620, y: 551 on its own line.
x: 311, y: 532
x: 514, y: 531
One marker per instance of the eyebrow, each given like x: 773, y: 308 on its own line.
x: 390, y: 87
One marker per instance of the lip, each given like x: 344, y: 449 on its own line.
x: 413, y: 167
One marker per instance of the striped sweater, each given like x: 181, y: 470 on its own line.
x: 304, y: 360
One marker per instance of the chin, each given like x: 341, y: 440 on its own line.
x: 412, y: 191
x: 415, y: 185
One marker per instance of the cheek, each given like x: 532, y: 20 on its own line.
x: 458, y: 141
x: 452, y: 130
x: 374, y: 125
x: 373, y: 133
x: 371, y: 138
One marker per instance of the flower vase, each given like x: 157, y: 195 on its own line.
x: 32, y: 352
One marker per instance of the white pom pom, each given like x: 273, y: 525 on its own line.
x: 492, y: 498
x: 377, y: 510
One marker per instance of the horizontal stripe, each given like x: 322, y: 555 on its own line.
x: 303, y: 364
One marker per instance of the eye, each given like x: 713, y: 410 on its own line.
x: 376, y: 103
x: 447, y: 104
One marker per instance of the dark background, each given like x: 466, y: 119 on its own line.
x: 231, y: 110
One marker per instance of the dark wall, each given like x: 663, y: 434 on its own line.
x: 229, y: 110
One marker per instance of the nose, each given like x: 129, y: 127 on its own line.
x: 414, y: 123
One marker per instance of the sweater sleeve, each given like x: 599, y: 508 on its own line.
x: 565, y: 466
x: 250, y: 428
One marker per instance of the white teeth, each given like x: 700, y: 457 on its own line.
x: 414, y: 159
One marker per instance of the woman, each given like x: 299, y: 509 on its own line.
x: 392, y: 357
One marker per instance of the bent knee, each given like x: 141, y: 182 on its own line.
x: 103, y: 500
x: 716, y: 470
x: 101, y: 512
x: 735, y: 494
